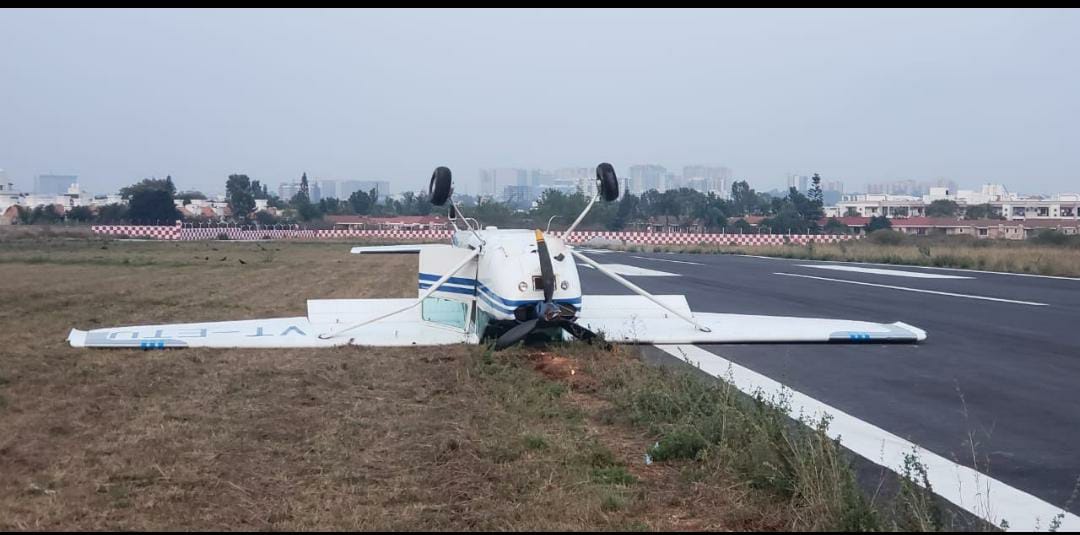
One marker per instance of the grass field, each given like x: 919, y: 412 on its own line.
x: 350, y: 438
x: 362, y: 438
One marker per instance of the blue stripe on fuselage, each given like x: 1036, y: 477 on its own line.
x: 515, y: 304
x: 455, y: 280
x: 451, y: 289
x: 488, y: 296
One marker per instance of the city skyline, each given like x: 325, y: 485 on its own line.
x: 900, y: 186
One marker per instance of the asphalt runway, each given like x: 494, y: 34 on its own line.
x: 1001, y: 363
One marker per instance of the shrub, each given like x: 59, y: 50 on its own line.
x: 613, y: 475
x: 886, y: 237
x: 1054, y: 237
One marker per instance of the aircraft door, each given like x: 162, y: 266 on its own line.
x: 435, y: 262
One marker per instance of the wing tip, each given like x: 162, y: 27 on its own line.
x: 77, y: 338
x: 920, y: 334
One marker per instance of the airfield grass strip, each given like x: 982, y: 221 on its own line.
x: 348, y: 438
x: 717, y: 431
x: 551, y: 409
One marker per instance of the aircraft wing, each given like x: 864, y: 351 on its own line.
x: 635, y: 319
x: 409, y: 248
x: 324, y: 315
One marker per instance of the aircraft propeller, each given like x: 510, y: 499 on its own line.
x: 548, y: 313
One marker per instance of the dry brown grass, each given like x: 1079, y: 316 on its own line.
x: 350, y: 438
x: 40, y: 232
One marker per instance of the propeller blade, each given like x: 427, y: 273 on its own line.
x: 581, y: 333
x: 547, y: 273
x: 516, y: 334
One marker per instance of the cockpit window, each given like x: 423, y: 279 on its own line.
x: 445, y: 312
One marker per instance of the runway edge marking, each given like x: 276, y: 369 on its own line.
x: 885, y: 272
x: 668, y: 260
x: 971, y: 490
x: 1058, y: 277
x: 918, y: 290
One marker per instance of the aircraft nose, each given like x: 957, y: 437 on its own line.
x: 548, y: 311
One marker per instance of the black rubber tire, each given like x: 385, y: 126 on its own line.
x: 439, y: 189
x: 607, y: 182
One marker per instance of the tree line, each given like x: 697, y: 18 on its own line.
x: 153, y: 200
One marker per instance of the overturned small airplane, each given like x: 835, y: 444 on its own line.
x: 501, y: 284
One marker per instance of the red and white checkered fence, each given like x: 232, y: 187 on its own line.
x: 179, y: 232
x: 156, y: 232
x: 405, y: 235
x: 244, y: 234
x: 659, y: 238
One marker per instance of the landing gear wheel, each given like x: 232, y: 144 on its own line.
x: 439, y: 189
x: 607, y: 182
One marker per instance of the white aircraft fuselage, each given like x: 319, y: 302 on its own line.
x: 507, y: 278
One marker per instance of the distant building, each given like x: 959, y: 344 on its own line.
x: 348, y: 187
x: 1002, y: 204
x: 673, y: 181
x: 110, y: 198
x: 832, y: 191
x: 288, y: 190
x: 909, y: 187
x: 493, y: 182
x: 799, y: 182
x: 210, y: 209
x: 979, y: 228
x: 574, y: 179
x: 516, y: 177
x: 487, y: 183
x: 832, y: 185
x: 707, y: 179
x: 645, y: 177
x: 328, y: 189
x: 517, y: 196
x: 540, y: 178
x: 9, y: 196
x: 54, y: 184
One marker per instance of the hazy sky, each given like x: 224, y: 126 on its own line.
x: 118, y: 95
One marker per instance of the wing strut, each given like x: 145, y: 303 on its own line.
x: 636, y: 289
x: 569, y: 231
x: 434, y: 287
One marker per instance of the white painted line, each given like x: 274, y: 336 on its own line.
x: 975, y: 492
x: 634, y: 271
x: 1002, y: 273
x: 1058, y: 277
x: 667, y: 260
x: 891, y: 272
x: 919, y: 290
